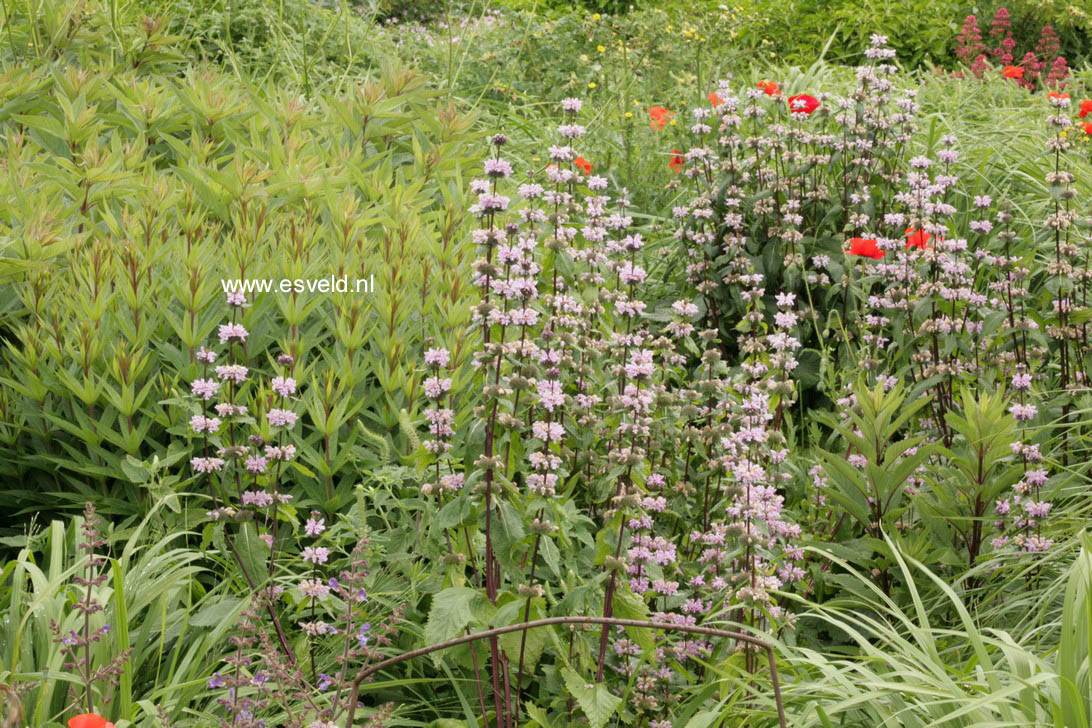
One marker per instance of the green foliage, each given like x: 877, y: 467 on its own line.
x: 910, y: 667
x: 306, y: 44
x: 134, y: 194
x: 875, y: 495
x: 155, y: 602
x: 134, y: 180
x: 980, y: 468
x: 1074, y: 660
x: 593, y: 698
x: 451, y: 612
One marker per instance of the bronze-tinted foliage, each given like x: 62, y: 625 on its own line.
x: 132, y: 186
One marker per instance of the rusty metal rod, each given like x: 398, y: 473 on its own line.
x: 389, y: 662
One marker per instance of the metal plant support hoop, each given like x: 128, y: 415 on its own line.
x: 766, y: 646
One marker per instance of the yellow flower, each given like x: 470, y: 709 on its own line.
x: 593, y: 84
x: 601, y: 49
x: 671, y: 123
x: 629, y: 114
x: 596, y: 16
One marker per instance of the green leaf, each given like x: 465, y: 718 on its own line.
x: 451, y: 612
x: 593, y: 698
x: 703, y: 720
x: 253, y: 553
x: 531, y: 642
x: 551, y: 555
x: 627, y: 605
x: 538, y: 715
x: 125, y: 680
x: 214, y: 614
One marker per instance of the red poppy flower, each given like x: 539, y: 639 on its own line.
x: 715, y: 99
x: 1013, y: 71
x: 769, y: 87
x: 89, y: 720
x: 1088, y: 128
x: 583, y: 164
x: 1057, y: 95
x: 865, y: 247
x: 677, y: 161
x: 658, y: 116
x: 802, y: 103
x: 916, y: 238
x: 1086, y: 108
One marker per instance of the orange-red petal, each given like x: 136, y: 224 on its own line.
x: 803, y: 103
x: 89, y: 720
x: 865, y: 247
x: 916, y: 238
x: 677, y: 161
x: 658, y: 116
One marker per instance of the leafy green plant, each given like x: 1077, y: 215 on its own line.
x: 874, y: 493
x: 980, y: 468
x: 136, y: 197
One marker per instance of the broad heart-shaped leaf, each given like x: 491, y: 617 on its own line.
x: 531, y: 642
x: 593, y: 698
x: 452, y: 610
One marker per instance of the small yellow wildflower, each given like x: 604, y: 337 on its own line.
x: 629, y: 114
x: 593, y: 84
x: 671, y: 123
x: 601, y: 49
x: 596, y: 16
